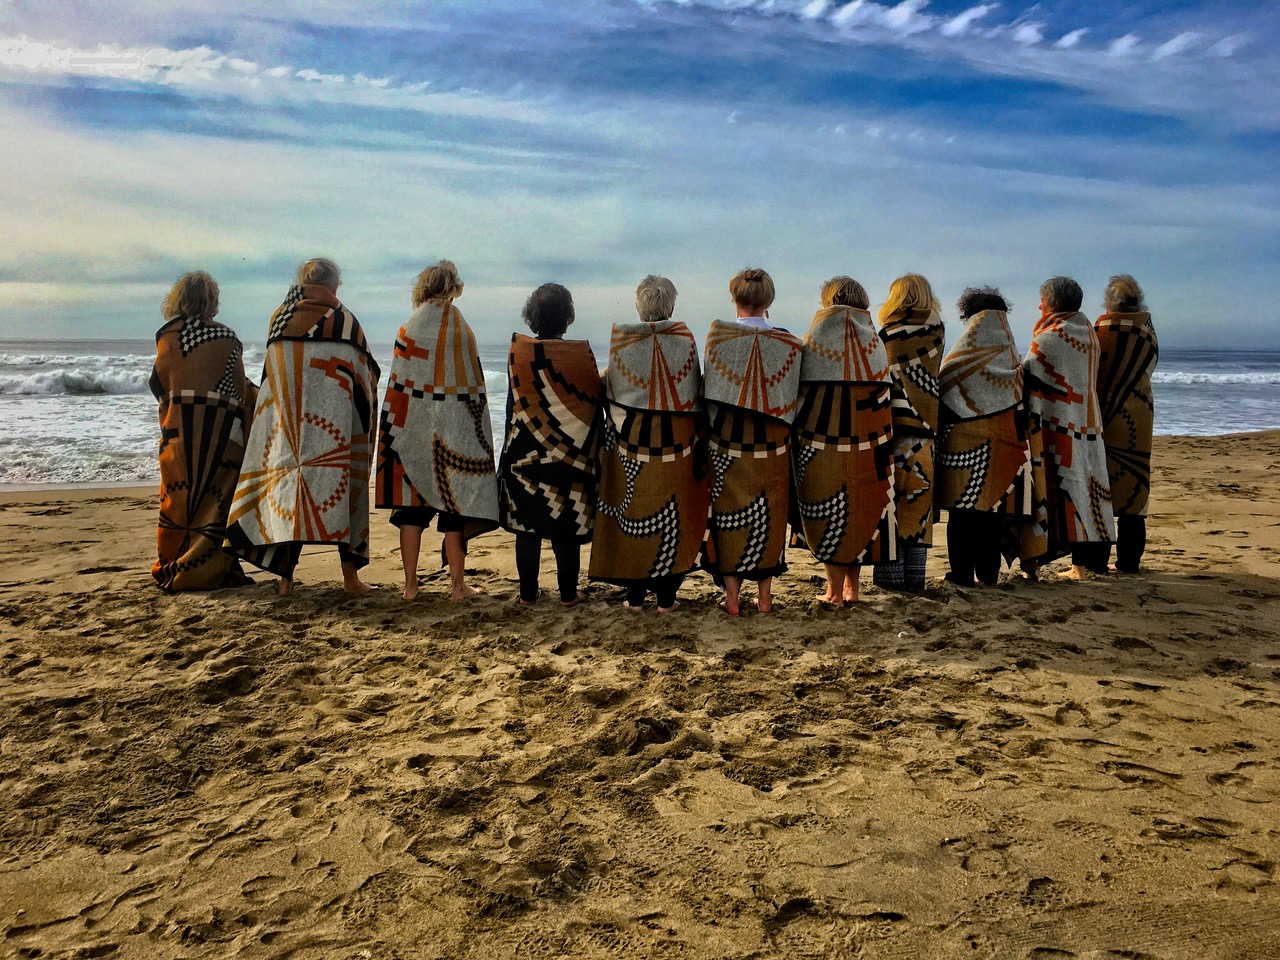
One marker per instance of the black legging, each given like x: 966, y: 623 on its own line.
x: 666, y: 589
x: 973, y: 546
x: 1131, y: 541
x: 529, y: 559
x: 1092, y: 556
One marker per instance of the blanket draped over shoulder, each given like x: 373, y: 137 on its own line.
x: 306, y: 470
x: 1061, y: 375
x: 1129, y: 352
x: 206, y: 406
x: 550, y: 461
x: 652, y: 510
x: 751, y: 385
x: 913, y: 342
x: 842, y: 453
x: 435, y: 438
x: 988, y: 457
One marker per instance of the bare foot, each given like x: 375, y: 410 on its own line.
x: 731, y: 610
x: 285, y: 587
x: 526, y: 603
x: 1078, y: 573
x: 829, y: 599
x: 671, y: 609
x: 410, y: 592
x: 568, y: 604
x: 465, y: 592
x: 633, y: 608
x: 764, y: 606
x: 357, y: 586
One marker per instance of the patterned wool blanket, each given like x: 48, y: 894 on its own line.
x: 550, y: 466
x: 1128, y: 355
x: 751, y: 386
x: 306, y: 469
x: 842, y: 452
x: 435, y: 439
x: 1061, y: 374
x: 914, y: 342
x: 206, y: 406
x: 652, y: 512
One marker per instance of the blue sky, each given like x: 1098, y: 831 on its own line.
x: 593, y: 142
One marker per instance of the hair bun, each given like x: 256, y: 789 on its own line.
x: 753, y: 276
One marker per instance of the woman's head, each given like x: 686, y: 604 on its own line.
x: 549, y: 311
x: 1061, y: 295
x: 752, y: 289
x: 194, y: 295
x: 844, y: 292
x: 320, y: 271
x: 1123, y: 295
x: 655, y: 299
x: 976, y: 299
x: 909, y: 292
x: 439, y: 283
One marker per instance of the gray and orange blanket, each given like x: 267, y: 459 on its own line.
x: 1129, y: 352
x: 988, y: 457
x: 1061, y: 374
x: 913, y: 342
x: 842, y: 451
x: 206, y: 407
x: 435, y: 439
x: 305, y: 478
x: 550, y: 467
x: 652, y: 511
x: 751, y: 385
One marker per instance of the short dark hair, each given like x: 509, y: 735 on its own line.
x: 549, y: 311
x: 1061, y: 294
x: 976, y: 299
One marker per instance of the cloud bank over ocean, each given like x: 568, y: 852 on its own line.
x: 594, y: 142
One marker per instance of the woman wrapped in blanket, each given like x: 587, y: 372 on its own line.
x: 550, y: 463
x: 435, y: 443
x: 911, y: 328
x: 206, y: 407
x: 652, y: 512
x: 751, y: 378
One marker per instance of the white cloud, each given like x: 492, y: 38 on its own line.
x: 1028, y: 34
x: 1227, y: 46
x: 812, y: 11
x: 1123, y: 46
x: 1072, y: 39
x: 961, y: 22
x: 1179, y: 44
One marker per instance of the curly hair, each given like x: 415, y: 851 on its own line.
x: 549, y: 311
x: 976, y: 299
x: 440, y: 282
x: 195, y: 295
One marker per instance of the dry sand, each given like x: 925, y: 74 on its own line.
x: 1046, y: 770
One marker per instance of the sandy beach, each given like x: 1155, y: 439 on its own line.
x: 1037, y: 770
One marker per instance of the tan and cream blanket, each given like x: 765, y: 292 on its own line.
x: 206, y: 407
x: 751, y: 387
x: 1127, y: 359
x: 652, y: 511
x: 914, y: 343
x: 550, y: 468
x: 305, y: 478
x: 1061, y: 375
x: 435, y: 438
x: 842, y: 451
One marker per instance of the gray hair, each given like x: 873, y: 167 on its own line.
x: 655, y: 299
x: 1061, y: 294
x: 321, y: 271
x: 1123, y: 295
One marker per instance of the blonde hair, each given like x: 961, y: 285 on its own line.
x: 1123, y: 295
x: 844, y: 292
x: 321, y: 271
x: 440, y: 282
x: 195, y: 295
x: 655, y: 299
x: 752, y: 288
x: 909, y: 292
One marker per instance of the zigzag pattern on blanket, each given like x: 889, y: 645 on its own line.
x: 1129, y: 352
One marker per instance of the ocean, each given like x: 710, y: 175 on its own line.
x: 80, y: 411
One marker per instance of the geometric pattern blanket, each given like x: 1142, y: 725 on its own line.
x: 751, y: 385
x: 435, y: 439
x: 305, y: 478
x: 206, y: 406
x: 842, y: 452
x: 651, y: 515
x: 550, y: 467
x: 914, y: 342
x: 1129, y: 351
x: 1062, y: 398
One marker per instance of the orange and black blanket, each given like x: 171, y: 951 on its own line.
x: 913, y: 342
x: 652, y: 511
x: 751, y: 387
x: 206, y: 406
x: 435, y: 438
x: 550, y: 466
x: 988, y: 458
x: 842, y: 451
x: 1128, y: 355
x: 1062, y: 398
x: 305, y: 478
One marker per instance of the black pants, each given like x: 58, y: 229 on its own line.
x: 1092, y: 556
x: 905, y: 573
x: 1131, y: 542
x: 529, y: 559
x: 666, y: 589
x: 973, y: 546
